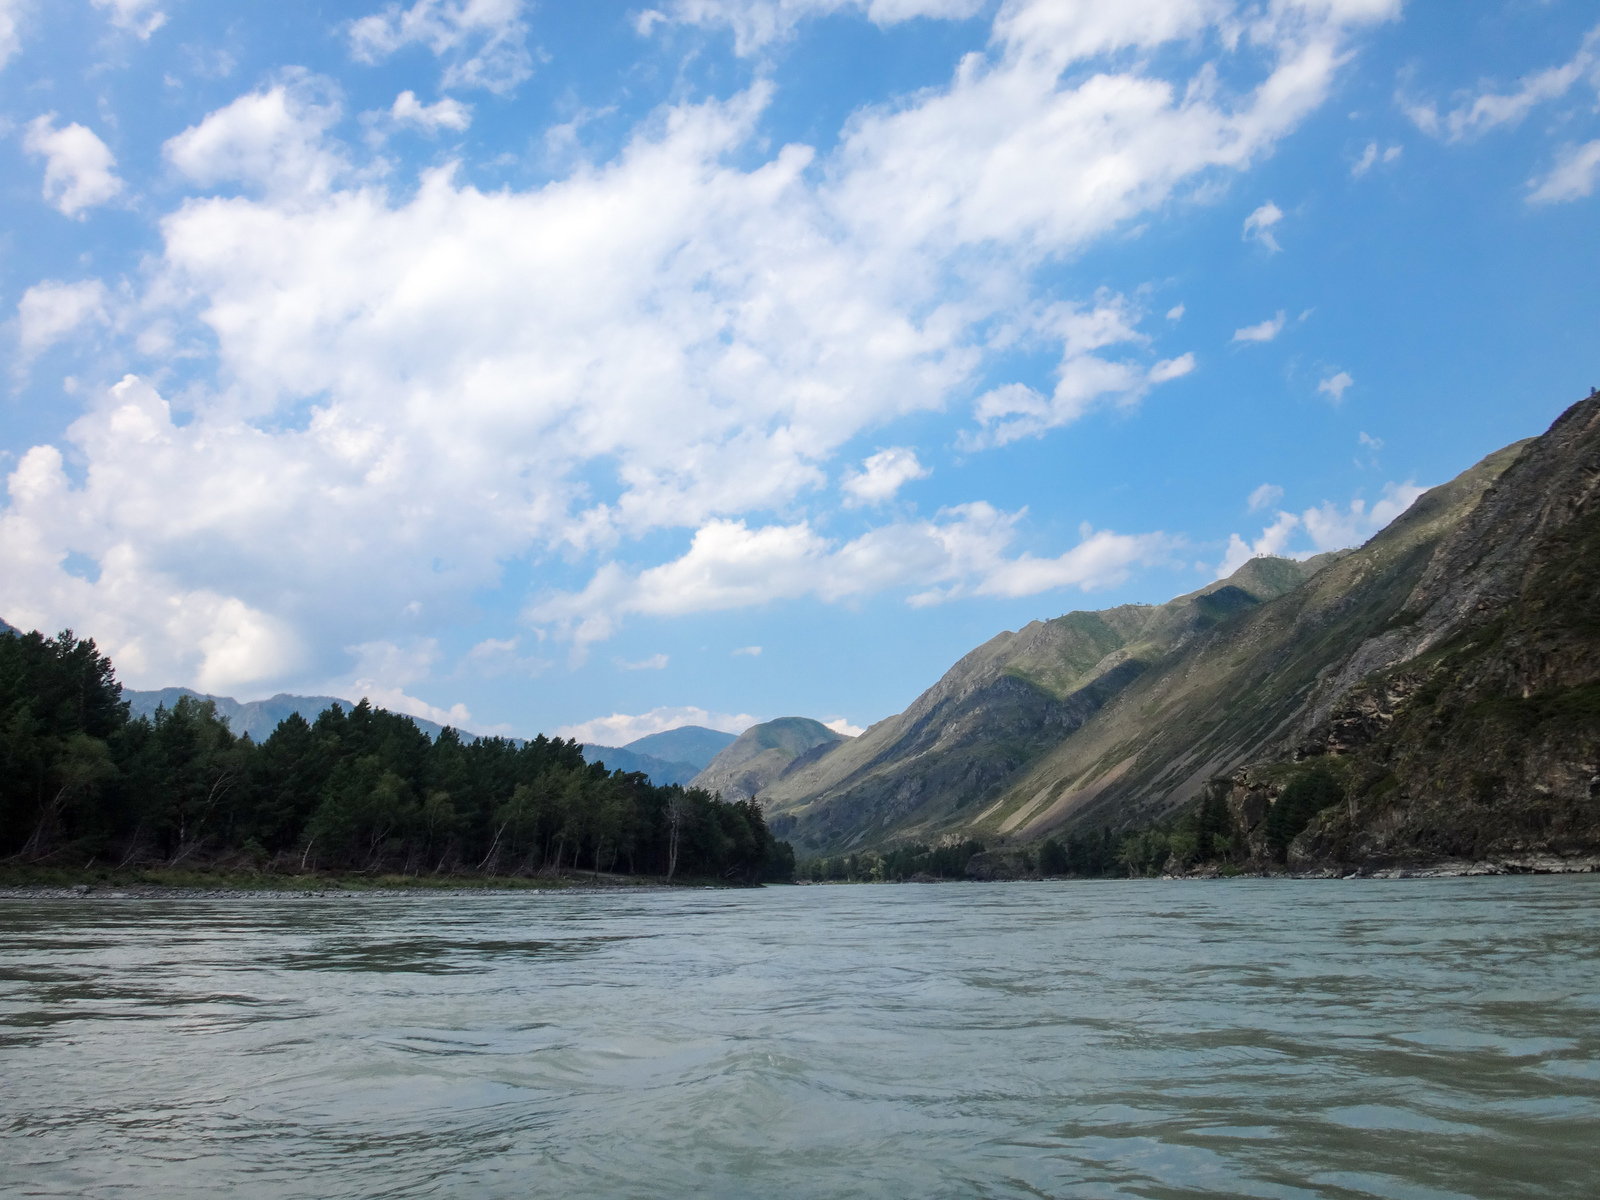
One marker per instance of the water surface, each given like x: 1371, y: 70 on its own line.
x: 1423, y: 1038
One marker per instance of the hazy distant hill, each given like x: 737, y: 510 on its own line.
x: 675, y: 756
x: 762, y: 754
x: 258, y: 718
x: 4, y: 628
x: 688, y: 743
x: 1446, y: 675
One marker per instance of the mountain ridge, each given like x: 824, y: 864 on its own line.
x: 1437, y: 690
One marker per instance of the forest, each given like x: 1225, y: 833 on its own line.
x: 364, y: 790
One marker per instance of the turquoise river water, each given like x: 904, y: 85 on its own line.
x: 1423, y: 1038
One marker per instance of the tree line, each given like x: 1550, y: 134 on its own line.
x: 82, y: 783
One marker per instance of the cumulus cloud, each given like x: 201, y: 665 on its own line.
x: 1084, y: 376
x: 483, y: 42
x: 843, y: 728
x: 271, y: 140
x: 1267, y: 493
x: 1258, y: 226
x: 447, y: 113
x: 139, y: 17
x: 1335, y: 386
x: 881, y: 476
x: 79, y: 170
x: 730, y: 566
x: 49, y: 311
x: 1263, y: 332
x: 1490, y: 110
x: 1572, y: 178
x: 1175, y: 313
x: 621, y: 728
x: 1328, y: 527
x: 757, y: 23
x: 408, y: 390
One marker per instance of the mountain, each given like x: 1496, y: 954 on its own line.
x: 4, y: 628
x: 623, y: 758
x: 1443, y: 682
x: 765, y: 754
x: 688, y: 744
x: 675, y: 756
x: 258, y: 718
x: 1002, y: 706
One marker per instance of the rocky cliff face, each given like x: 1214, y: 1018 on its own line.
x: 1446, y: 675
x: 933, y: 768
x: 1470, y: 727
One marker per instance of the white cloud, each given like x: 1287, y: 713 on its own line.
x: 503, y: 656
x: 482, y: 41
x: 1267, y: 493
x: 731, y: 566
x: 1263, y: 332
x: 399, y: 393
x: 1172, y: 368
x: 1084, y: 376
x: 1333, y: 528
x: 1372, y: 443
x: 1489, y: 110
x: 79, y: 169
x: 881, y: 476
x: 11, y: 12
x: 748, y: 651
x: 50, y: 310
x: 396, y: 700
x: 656, y: 662
x: 1273, y: 541
x: 1572, y: 178
x: 1328, y: 527
x: 1175, y: 313
x: 756, y: 23
x: 843, y: 728
x: 1370, y: 157
x: 621, y: 728
x: 1336, y: 386
x: 1258, y: 226
x: 139, y: 17
x: 271, y: 139
x: 447, y: 113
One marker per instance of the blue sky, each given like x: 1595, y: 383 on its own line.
x: 599, y: 368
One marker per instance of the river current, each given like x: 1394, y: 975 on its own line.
x: 1422, y: 1038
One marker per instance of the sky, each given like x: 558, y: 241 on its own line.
x: 595, y: 369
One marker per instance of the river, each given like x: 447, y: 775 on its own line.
x: 1419, y: 1038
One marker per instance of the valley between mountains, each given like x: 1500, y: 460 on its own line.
x: 1433, y: 695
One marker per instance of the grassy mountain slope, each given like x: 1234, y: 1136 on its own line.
x: 963, y: 742
x: 763, y: 753
x: 1234, y: 693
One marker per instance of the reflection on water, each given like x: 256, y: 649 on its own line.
x: 1428, y: 1038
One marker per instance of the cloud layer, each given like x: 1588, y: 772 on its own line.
x: 398, y: 386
